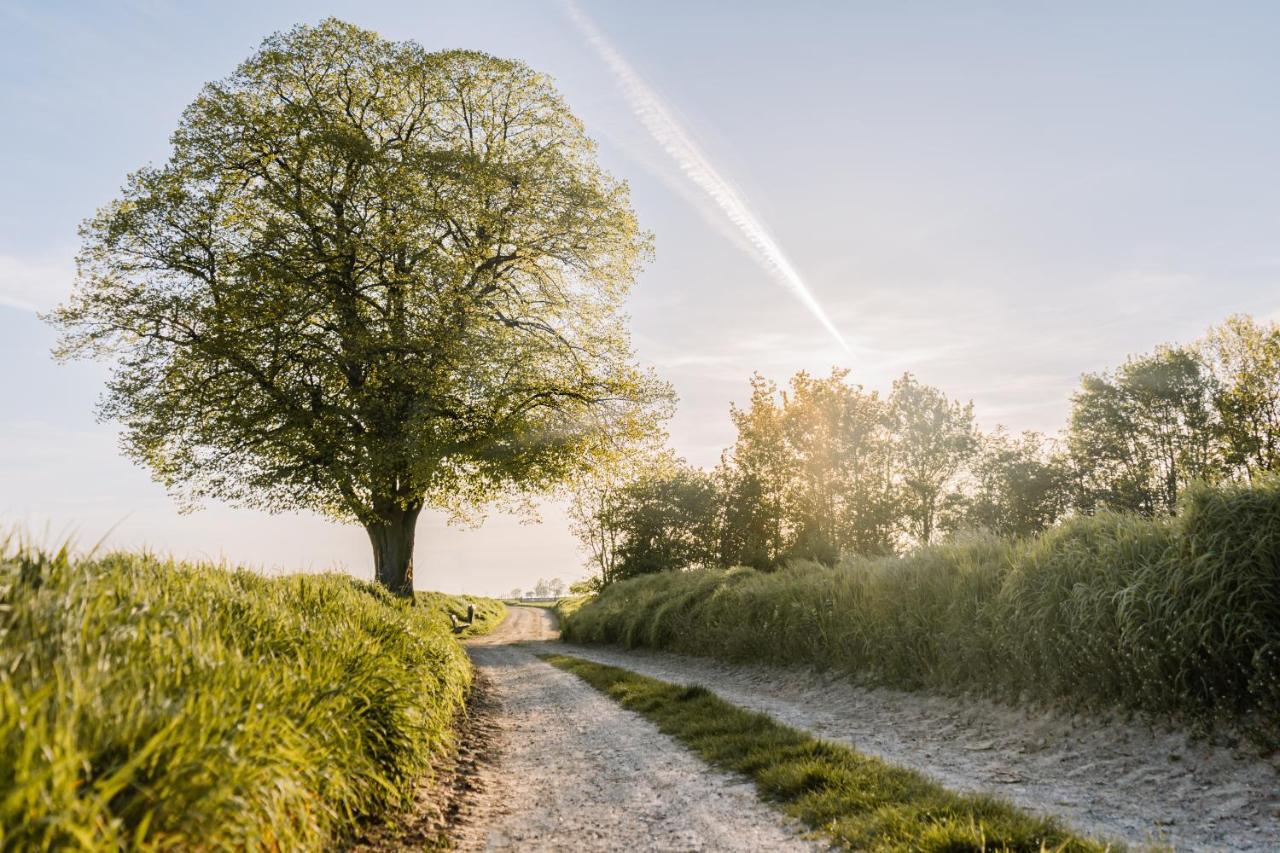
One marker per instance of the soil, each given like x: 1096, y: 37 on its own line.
x: 572, y: 770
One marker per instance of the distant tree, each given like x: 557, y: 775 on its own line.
x: 1245, y: 358
x: 556, y: 587
x: 839, y: 498
x: 667, y: 521
x: 594, y: 500
x: 1021, y: 486
x: 749, y: 523
x: 662, y: 514
x: 1139, y: 436
x: 753, y: 478
x: 515, y: 593
x: 1112, y: 462
x: 585, y: 586
x: 369, y: 279
x: 933, y: 439
x: 542, y: 589
x: 592, y: 520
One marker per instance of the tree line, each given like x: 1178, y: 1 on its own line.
x: 544, y: 588
x: 826, y: 467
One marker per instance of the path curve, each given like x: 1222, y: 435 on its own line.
x: 575, y: 771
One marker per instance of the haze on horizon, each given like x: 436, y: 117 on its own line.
x: 996, y: 200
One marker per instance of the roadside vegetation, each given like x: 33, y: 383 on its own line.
x: 826, y: 469
x: 1133, y: 561
x: 1169, y: 615
x: 858, y: 801
x: 151, y: 704
x: 566, y: 607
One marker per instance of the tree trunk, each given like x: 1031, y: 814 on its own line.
x: 392, y: 539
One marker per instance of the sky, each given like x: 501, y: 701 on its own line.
x: 996, y: 197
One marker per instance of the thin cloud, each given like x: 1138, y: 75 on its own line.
x: 675, y: 140
x: 34, y: 285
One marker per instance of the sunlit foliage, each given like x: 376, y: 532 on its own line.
x: 370, y: 278
x: 1140, y: 435
x: 147, y: 704
x: 1245, y: 358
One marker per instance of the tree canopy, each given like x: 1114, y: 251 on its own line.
x: 1244, y: 356
x: 1141, y: 435
x: 370, y: 278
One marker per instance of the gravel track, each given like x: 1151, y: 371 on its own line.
x: 1105, y: 777
x: 575, y: 771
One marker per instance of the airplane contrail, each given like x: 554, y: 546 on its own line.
x: 672, y: 137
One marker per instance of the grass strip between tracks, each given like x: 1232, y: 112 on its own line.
x: 855, y: 800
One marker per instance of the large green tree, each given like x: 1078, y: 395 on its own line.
x: 369, y: 279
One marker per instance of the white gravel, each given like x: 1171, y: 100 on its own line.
x: 1105, y: 777
x: 575, y: 771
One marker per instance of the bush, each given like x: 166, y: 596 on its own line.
x: 1177, y: 615
x: 146, y: 703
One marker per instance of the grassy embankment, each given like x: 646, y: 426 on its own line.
x: 1174, y: 615
x: 566, y: 607
x: 151, y: 704
x: 860, y: 802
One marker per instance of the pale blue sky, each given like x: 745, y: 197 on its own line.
x: 994, y: 196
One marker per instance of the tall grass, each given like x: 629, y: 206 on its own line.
x: 1178, y: 615
x: 150, y: 704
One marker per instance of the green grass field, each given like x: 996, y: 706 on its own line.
x: 150, y: 704
x: 858, y: 802
x: 1174, y: 615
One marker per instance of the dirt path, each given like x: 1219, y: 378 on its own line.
x: 1104, y: 777
x: 574, y: 771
